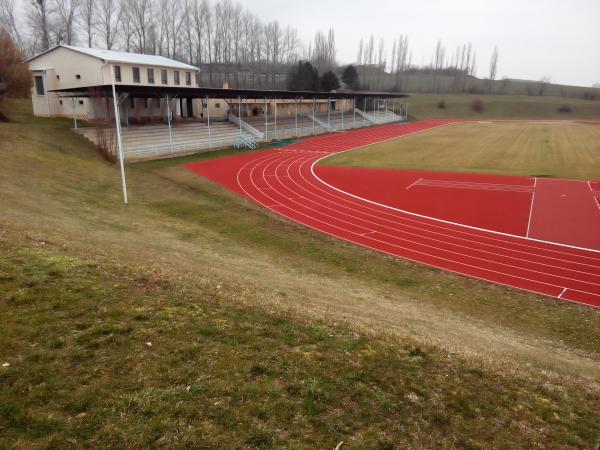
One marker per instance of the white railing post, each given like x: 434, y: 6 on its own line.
x: 342, y: 116
x: 296, y: 116
x: 313, y: 115
x: 208, y: 121
x: 240, y: 114
x: 169, y: 125
x: 266, y: 121
x: 74, y: 114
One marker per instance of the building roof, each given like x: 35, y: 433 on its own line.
x: 142, y: 91
x: 125, y: 57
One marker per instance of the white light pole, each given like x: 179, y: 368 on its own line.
x: 119, y: 137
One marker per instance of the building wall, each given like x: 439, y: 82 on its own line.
x: 65, y: 68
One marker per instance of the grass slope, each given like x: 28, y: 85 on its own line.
x: 264, y: 334
x: 422, y: 106
x: 550, y: 150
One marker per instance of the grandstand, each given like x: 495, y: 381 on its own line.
x: 249, y: 117
x: 161, y: 110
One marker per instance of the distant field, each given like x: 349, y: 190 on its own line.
x: 555, y: 150
x: 501, y: 106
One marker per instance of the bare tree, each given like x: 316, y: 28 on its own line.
x: 493, y: 66
x: 108, y: 22
x: 39, y: 13
x: 543, y: 84
x: 140, y: 12
x: 67, y: 11
x: 125, y: 24
x: 87, y: 19
x: 438, y: 64
x: 9, y: 21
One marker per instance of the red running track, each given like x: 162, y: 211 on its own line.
x: 285, y: 182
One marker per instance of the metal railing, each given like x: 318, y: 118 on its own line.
x: 177, y: 148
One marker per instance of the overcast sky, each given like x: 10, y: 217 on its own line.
x: 535, y: 38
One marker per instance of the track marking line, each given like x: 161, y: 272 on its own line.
x: 597, y: 202
x: 416, y: 182
x: 475, y: 186
x: 530, y: 214
x: 368, y: 232
x: 534, y: 182
x: 562, y: 293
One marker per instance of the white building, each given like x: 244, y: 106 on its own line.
x: 67, y: 67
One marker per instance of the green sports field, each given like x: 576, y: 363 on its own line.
x: 532, y: 149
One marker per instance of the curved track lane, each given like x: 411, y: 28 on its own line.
x: 286, y: 181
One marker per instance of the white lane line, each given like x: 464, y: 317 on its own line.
x: 530, y: 214
x: 562, y: 293
x: 597, y: 202
x: 416, y: 182
x: 534, y: 181
x: 368, y: 232
x: 426, y: 183
x: 589, y: 183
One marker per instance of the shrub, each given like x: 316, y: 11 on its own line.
x: 477, y: 105
x: 564, y: 109
x: 441, y: 104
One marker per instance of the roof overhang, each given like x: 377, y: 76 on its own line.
x: 187, y: 92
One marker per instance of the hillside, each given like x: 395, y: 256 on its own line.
x: 191, y: 317
x: 422, y: 106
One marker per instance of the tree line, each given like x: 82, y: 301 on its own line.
x: 229, y: 42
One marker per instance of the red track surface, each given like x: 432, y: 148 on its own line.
x: 285, y: 182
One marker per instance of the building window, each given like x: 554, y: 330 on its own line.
x: 217, y: 105
x: 146, y: 102
x: 176, y: 77
x: 188, y: 79
x: 78, y: 76
x: 81, y: 102
x: 163, y: 77
x: 58, y: 77
x: 118, y: 74
x: 39, y: 85
x: 136, y: 74
x: 60, y: 101
x: 150, y: 76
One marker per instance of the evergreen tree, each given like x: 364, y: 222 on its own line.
x: 304, y: 77
x: 329, y: 82
x: 350, y: 77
